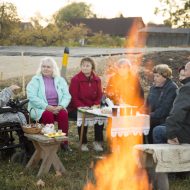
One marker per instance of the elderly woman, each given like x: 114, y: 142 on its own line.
x: 5, y: 96
x: 160, y: 97
x: 124, y: 86
x: 48, y: 94
x: 86, y: 91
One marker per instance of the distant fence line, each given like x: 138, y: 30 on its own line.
x: 81, y: 52
x: 60, y: 55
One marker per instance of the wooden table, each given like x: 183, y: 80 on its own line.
x: 46, y: 150
x: 85, y: 111
x: 120, y: 125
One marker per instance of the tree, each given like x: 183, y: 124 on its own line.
x: 74, y: 10
x: 8, y: 19
x: 177, y: 13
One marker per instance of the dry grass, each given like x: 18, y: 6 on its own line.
x: 13, y: 175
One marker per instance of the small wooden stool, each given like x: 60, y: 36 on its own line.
x: 46, y: 149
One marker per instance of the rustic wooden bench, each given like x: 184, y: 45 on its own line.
x: 164, y: 158
x: 46, y: 150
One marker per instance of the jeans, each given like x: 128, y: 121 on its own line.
x: 159, y: 134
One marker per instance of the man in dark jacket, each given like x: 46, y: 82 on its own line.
x: 177, y: 126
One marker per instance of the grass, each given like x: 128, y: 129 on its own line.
x: 13, y: 176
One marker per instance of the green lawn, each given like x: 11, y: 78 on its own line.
x: 13, y: 176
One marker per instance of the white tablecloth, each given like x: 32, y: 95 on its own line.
x: 130, y: 125
x: 91, y: 118
x: 121, y: 125
x: 167, y: 157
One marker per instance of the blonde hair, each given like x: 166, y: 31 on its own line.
x: 163, y: 70
x: 56, y: 71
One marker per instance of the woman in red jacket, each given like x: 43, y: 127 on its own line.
x: 86, y: 91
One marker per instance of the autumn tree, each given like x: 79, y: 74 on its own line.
x: 8, y: 19
x: 177, y: 13
x: 71, y: 11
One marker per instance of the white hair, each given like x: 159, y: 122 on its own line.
x: 123, y: 61
x: 56, y: 71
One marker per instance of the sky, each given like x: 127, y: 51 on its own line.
x: 102, y: 8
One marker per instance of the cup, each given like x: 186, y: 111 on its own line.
x: 114, y: 111
x: 59, y: 131
x: 134, y: 111
x: 122, y: 112
x: 127, y: 111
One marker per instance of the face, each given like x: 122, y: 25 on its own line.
x: 86, y: 68
x: 187, y: 70
x: 123, y: 69
x: 182, y: 75
x: 47, y: 69
x: 159, y: 80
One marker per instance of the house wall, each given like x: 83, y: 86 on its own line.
x: 164, y: 39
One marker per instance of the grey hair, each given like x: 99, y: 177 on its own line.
x: 56, y: 71
x: 123, y: 61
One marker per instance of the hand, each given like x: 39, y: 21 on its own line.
x: 14, y: 87
x: 57, y: 109
x: 51, y: 108
x: 173, y: 141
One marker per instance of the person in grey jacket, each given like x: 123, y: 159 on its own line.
x: 177, y: 126
x: 160, y: 97
x: 5, y: 96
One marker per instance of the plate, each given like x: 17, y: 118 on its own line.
x: 55, y: 135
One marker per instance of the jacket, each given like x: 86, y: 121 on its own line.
x: 127, y: 90
x: 178, y: 122
x: 37, y: 97
x: 85, y: 91
x: 160, y: 100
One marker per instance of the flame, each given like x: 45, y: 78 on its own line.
x: 121, y: 169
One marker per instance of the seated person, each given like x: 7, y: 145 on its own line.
x: 176, y: 128
x: 48, y: 94
x: 160, y: 97
x: 181, y: 73
x: 5, y: 96
x: 124, y: 86
x: 86, y: 91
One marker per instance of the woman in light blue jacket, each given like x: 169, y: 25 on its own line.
x: 48, y: 94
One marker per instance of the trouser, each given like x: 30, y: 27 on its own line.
x: 98, y: 133
x: 153, y: 124
x: 159, y: 134
x: 61, y: 118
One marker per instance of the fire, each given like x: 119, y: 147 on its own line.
x: 121, y: 169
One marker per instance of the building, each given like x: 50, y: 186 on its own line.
x: 122, y: 27
x: 114, y: 27
x: 164, y: 36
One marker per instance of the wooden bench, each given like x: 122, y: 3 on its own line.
x: 46, y: 150
x: 164, y: 158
